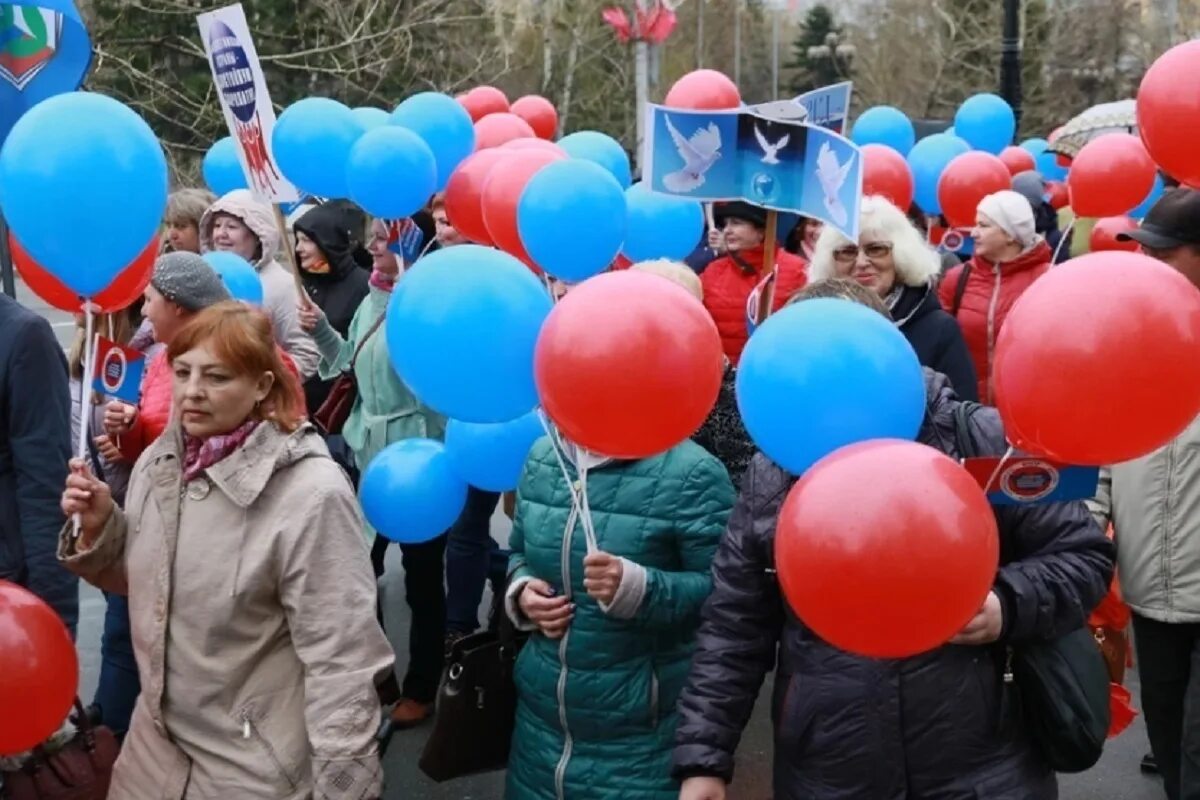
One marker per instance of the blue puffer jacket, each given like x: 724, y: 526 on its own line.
x: 596, y: 709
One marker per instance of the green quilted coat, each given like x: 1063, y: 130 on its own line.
x: 596, y: 709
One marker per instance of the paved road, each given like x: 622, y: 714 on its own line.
x: 1116, y: 777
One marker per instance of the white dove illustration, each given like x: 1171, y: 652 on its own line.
x: 770, y: 151
x: 831, y: 175
x: 698, y: 153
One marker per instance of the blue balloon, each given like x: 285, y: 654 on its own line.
x: 461, y: 330
x: 372, y: 118
x: 391, y: 172
x: 928, y: 160
x: 986, y: 122
x: 602, y: 149
x: 410, y: 492
x: 445, y: 126
x: 1156, y: 192
x: 312, y: 142
x: 1047, y: 164
x: 238, y: 275
x: 824, y: 374
x: 950, y: 131
x: 571, y: 218
x: 887, y: 126
x: 492, y: 457
x: 221, y: 168
x: 82, y: 167
x: 660, y: 226
x: 1035, y: 146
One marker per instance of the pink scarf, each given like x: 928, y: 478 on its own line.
x: 200, y: 454
x: 382, y: 282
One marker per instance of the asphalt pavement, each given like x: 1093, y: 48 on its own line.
x: 1116, y: 777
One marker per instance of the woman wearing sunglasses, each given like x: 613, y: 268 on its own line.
x: 892, y: 259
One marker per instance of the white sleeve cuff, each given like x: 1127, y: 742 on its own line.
x: 513, y: 608
x: 632, y: 590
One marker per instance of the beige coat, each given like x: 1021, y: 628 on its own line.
x: 252, y: 607
x: 1154, y: 506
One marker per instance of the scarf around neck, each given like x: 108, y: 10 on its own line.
x: 385, y: 283
x: 200, y: 454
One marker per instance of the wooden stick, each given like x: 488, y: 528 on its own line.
x: 286, y: 240
x: 766, y: 301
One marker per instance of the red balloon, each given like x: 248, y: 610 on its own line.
x: 124, y: 289
x: 39, y: 668
x: 885, y: 172
x: 704, y: 90
x: 464, y: 194
x: 1120, y: 320
x: 497, y: 129
x: 1060, y: 195
x: 968, y: 179
x: 502, y: 193
x: 483, y: 101
x: 908, y: 569
x: 628, y: 364
x: 534, y: 144
x: 539, y: 113
x: 1017, y: 159
x: 1168, y: 111
x: 1104, y: 234
x: 1112, y: 175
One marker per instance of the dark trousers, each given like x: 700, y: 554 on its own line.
x: 425, y: 593
x: 1169, y: 667
x: 119, y: 686
x: 472, y: 558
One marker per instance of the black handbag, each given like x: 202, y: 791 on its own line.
x: 1058, y: 690
x: 476, y: 706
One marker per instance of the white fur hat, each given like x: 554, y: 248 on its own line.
x: 1012, y: 213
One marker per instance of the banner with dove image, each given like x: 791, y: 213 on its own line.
x: 783, y: 165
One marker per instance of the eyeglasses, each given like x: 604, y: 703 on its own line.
x: 875, y: 251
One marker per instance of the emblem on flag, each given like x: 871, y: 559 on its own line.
x: 118, y: 371
x: 28, y: 40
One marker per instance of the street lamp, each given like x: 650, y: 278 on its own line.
x: 834, y: 50
x: 1010, y: 57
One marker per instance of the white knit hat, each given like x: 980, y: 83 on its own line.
x: 1012, y: 213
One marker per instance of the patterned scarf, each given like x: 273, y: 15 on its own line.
x: 382, y: 282
x: 200, y: 454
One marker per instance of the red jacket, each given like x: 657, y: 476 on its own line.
x: 154, y: 407
x: 987, y: 298
x: 727, y: 287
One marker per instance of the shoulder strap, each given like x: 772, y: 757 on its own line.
x: 363, y: 342
x: 960, y: 289
x: 962, y: 428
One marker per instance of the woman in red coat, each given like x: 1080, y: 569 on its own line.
x: 729, y: 281
x: 1009, y: 256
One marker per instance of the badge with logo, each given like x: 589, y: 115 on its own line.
x: 1025, y: 480
x: 28, y: 41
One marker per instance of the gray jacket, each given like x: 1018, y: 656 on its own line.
x: 1153, y: 504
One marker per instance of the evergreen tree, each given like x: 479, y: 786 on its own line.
x: 813, y: 73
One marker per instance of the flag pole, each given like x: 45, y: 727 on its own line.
x: 290, y: 249
x: 766, y: 300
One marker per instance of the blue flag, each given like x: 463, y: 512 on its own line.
x: 1026, y: 480
x: 118, y: 371
x: 44, y: 50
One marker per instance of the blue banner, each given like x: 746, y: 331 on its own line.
x: 741, y: 155
x: 828, y: 107
x: 44, y: 51
x: 1024, y: 480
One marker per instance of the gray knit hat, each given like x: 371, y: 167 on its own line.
x: 187, y: 280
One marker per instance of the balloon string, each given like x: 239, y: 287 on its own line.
x: 89, y: 349
x: 1063, y: 240
x: 578, y: 498
x: 987, y: 487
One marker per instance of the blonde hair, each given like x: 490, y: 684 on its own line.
x: 188, y: 206
x: 916, y: 262
x: 679, y: 274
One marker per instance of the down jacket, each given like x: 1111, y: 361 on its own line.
x: 936, y: 338
x: 854, y: 728
x: 728, y: 284
x: 281, y: 297
x: 595, y: 713
x: 989, y: 294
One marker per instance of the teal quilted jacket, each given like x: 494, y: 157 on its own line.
x: 596, y: 709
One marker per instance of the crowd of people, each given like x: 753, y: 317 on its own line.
x: 243, y: 651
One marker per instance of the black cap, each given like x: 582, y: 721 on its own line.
x: 739, y: 209
x: 1173, y: 221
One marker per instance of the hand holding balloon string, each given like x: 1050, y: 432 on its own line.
x: 90, y: 500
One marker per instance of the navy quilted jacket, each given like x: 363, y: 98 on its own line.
x: 596, y: 709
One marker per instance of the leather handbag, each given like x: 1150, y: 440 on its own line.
x: 331, y: 417
x: 81, y: 770
x: 476, y: 707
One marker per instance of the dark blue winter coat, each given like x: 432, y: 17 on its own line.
x: 936, y: 337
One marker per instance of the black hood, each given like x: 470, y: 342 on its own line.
x: 914, y: 302
x: 338, y: 228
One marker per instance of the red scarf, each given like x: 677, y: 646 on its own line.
x: 200, y: 454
